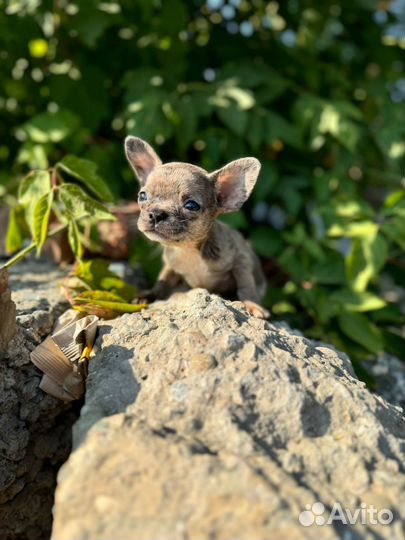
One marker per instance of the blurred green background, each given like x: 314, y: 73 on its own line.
x: 313, y: 88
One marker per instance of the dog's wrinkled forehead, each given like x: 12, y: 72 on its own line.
x: 179, y: 178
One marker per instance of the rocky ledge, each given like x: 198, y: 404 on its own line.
x: 202, y: 422
x: 35, y: 429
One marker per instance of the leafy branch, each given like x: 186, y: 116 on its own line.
x: 49, y: 195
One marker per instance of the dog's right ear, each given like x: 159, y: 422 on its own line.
x: 141, y: 156
x: 235, y: 182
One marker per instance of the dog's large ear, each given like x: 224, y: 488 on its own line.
x: 141, y: 156
x: 235, y: 182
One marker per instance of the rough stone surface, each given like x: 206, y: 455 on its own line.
x: 7, y: 311
x: 202, y: 422
x: 35, y: 434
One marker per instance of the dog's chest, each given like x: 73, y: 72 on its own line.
x: 199, y: 272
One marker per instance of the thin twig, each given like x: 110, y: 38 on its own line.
x: 21, y: 254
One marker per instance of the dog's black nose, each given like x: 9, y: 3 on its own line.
x: 158, y: 215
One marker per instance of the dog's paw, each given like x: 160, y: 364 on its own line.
x: 159, y: 291
x: 256, y: 310
x: 145, y: 296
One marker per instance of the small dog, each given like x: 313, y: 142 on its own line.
x: 179, y: 203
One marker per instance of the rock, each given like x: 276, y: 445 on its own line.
x: 203, y: 422
x: 35, y: 434
x: 7, y: 311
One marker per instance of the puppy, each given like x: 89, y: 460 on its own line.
x: 179, y: 204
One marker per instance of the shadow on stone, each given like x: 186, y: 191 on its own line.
x: 111, y: 384
x: 315, y: 418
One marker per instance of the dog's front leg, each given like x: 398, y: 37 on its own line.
x: 167, y: 280
x: 247, y: 290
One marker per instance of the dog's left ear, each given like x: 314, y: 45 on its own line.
x: 141, y: 156
x: 234, y: 182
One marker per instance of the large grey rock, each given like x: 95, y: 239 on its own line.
x: 35, y: 434
x: 202, y: 422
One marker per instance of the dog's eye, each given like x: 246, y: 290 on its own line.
x: 192, y: 205
x: 142, y: 196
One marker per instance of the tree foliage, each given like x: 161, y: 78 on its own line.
x: 312, y: 88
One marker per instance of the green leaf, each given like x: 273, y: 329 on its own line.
x: 296, y: 236
x: 292, y: 200
x: 96, y: 275
x: 353, y: 230
x: 266, y: 242
x: 245, y: 73
x: 394, y: 198
x: 267, y: 181
x: 365, y: 259
x: 74, y: 239
x: 353, y: 209
x: 334, y: 120
x: 86, y: 172
x: 357, y: 301
x: 278, y: 128
x: 42, y: 213
x: 254, y: 133
x: 117, y: 286
x: 394, y: 231
x: 233, y: 118
x: 274, y: 87
x: 146, y: 118
x: 104, y: 304
x: 229, y: 94
x: 236, y: 219
x: 201, y: 103
x: 358, y: 328
x: 34, y: 155
x: 17, y: 230
x: 185, y: 131
x: 173, y: 25
x: 317, y: 303
x: 90, y: 23
x: 305, y: 110
x: 51, y: 127
x: 394, y: 344
x: 325, y: 310
x: 312, y: 247
x: 291, y: 261
x: 281, y: 308
x: 329, y: 272
x: 348, y: 109
x: 93, y: 271
x: 34, y: 186
x: 99, y: 295
x: 78, y: 204
x: 389, y: 314
x: 81, y: 99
